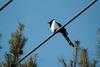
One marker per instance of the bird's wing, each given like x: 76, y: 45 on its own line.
x: 59, y: 24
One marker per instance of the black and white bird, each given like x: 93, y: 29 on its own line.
x: 54, y: 26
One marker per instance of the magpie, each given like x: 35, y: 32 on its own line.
x: 54, y: 26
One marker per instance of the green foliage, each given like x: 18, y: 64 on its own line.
x: 93, y: 63
x: 98, y: 45
x: 9, y: 59
x: 17, y: 42
x: 32, y: 62
x: 80, y: 58
x: 0, y: 65
x: 63, y: 62
x: 71, y: 63
x: 76, y: 52
x: 84, y: 58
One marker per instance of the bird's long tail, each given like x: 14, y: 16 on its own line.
x: 65, y: 34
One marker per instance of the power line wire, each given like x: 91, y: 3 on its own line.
x: 5, y: 5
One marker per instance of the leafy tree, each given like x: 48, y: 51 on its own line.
x: 76, y: 53
x: 9, y: 59
x: 32, y: 61
x: 0, y: 65
x: 84, y: 62
x: 80, y: 58
x: 98, y: 46
x: 84, y: 58
x: 17, y: 42
x: 73, y: 62
x: 93, y: 64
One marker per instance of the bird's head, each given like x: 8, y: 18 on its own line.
x: 51, y: 21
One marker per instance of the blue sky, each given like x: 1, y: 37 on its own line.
x: 36, y: 14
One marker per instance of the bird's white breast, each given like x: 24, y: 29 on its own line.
x: 54, y: 26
